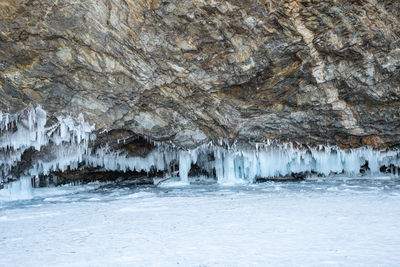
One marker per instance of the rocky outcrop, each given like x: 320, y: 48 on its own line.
x: 190, y: 71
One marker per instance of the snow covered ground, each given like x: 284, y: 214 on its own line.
x: 334, y: 221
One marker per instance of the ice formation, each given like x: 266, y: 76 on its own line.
x: 234, y: 165
x: 21, y: 189
x: 66, y: 141
x: 66, y: 145
x: 238, y: 165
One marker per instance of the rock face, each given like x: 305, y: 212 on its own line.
x: 191, y: 71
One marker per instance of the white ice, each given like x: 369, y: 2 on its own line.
x: 316, y: 223
x: 67, y: 143
x: 69, y: 137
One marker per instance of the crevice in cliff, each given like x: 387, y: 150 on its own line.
x: 348, y: 118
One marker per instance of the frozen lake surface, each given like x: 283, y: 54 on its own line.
x: 333, y: 221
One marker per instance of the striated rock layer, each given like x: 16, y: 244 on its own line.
x: 194, y: 71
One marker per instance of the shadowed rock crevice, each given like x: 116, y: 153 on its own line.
x: 85, y: 176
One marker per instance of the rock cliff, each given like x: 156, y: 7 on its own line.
x: 194, y: 71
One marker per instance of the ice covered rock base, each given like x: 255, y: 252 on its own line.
x: 33, y: 146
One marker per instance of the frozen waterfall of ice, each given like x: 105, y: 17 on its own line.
x: 65, y: 144
x: 68, y: 141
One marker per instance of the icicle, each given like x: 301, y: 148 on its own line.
x: 67, y: 145
x: 185, y: 163
x: 31, y: 132
x: 18, y: 190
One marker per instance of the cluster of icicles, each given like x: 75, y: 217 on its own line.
x: 67, y: 141
x: 65, y: 145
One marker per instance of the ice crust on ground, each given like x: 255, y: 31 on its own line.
x: 65, y: 145
x: 337, y: 221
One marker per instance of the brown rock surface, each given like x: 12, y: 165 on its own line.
x: 191, y: 71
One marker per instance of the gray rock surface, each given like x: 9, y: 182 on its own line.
x: 191, y: 71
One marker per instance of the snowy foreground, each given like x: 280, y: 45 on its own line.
x: 335, y: 221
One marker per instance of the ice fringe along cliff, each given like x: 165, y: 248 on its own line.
x: 65, y: 144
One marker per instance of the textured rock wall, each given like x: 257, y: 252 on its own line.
x: 190, y: 71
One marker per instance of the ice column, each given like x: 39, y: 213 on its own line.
x: 186, y: 158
